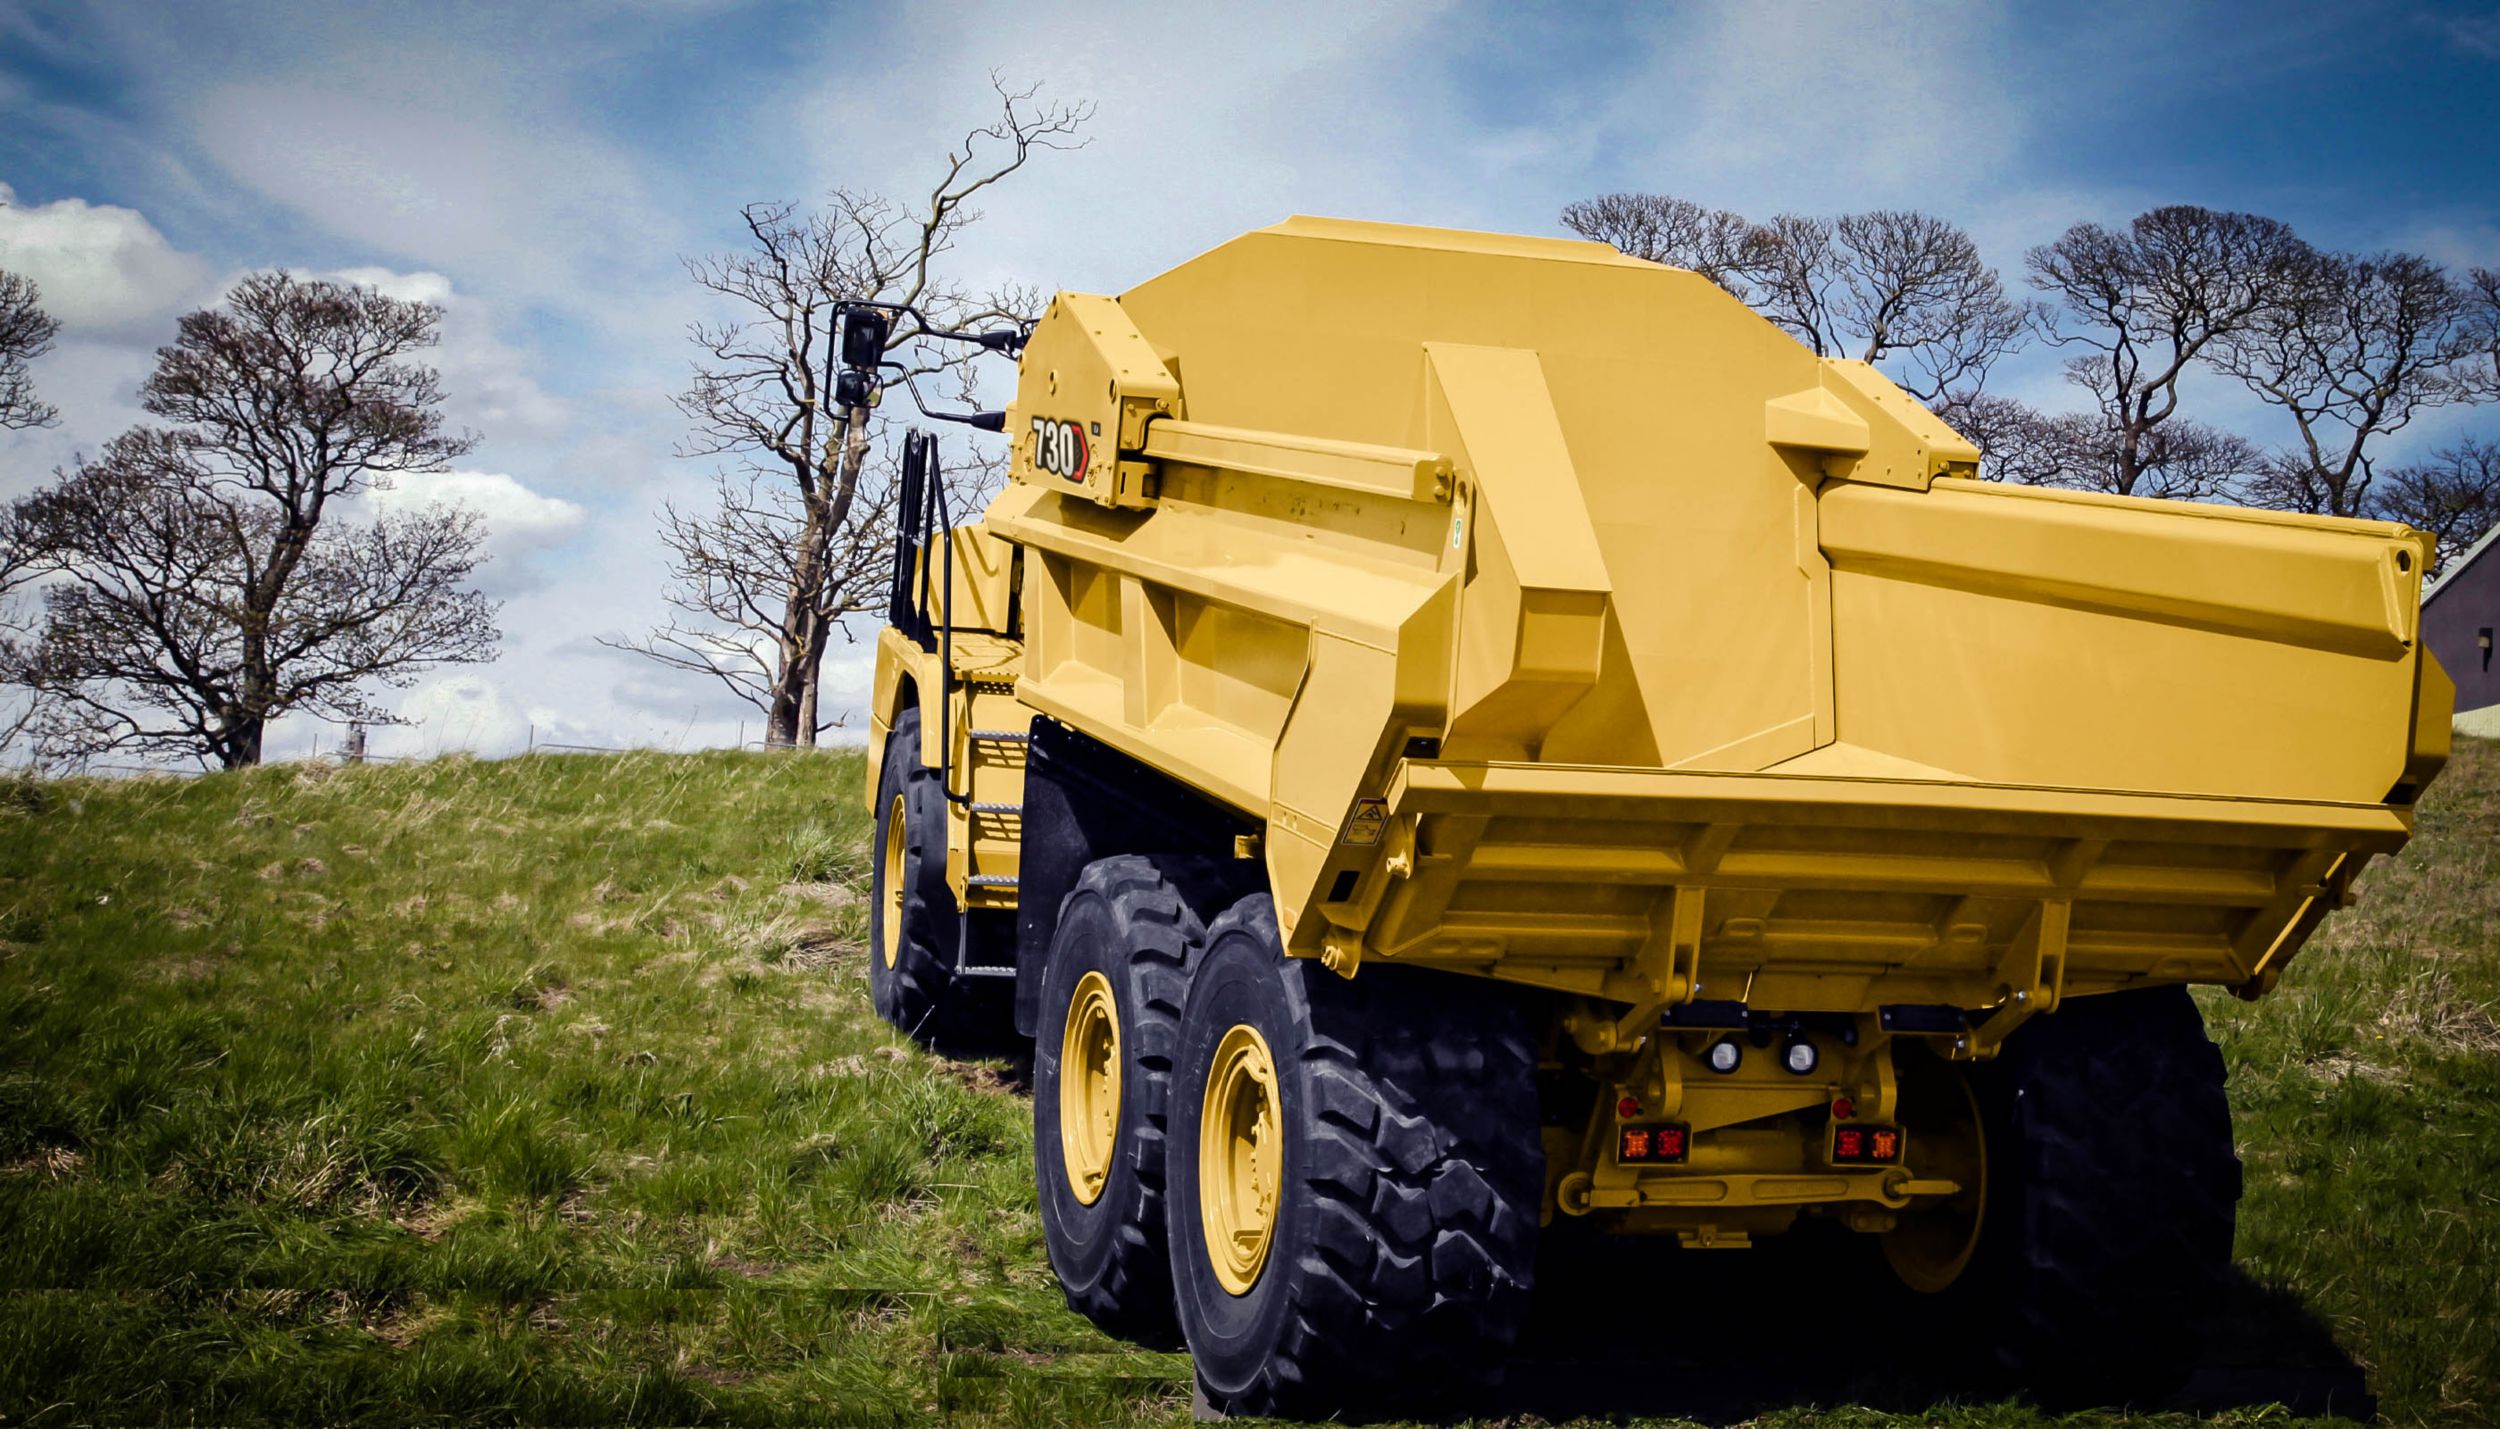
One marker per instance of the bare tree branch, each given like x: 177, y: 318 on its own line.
x: 2351, y: 349
x: 1905, y: 291
x: 2138, y: 307
x: 2482, y: 297
x: 2180, y: 460
x: 2455, y: 496
x: 26, y: 333
x: 1674, y: 231
x: 799, y: 532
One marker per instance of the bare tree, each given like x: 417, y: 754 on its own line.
x: 19, y: 570
x: 2140, y: 306
x: 1899, y: 289
x: 2350, y: 349
x: 1790, y: 268
x: 2455, y: 496
x: 2021, y: 444
x: 204, y: 583
x: 801, y: 535
x: 1889, y: 285
x: 26, y: 333
x: 1674, y: 231
x: 2180, y: 460
x: 2482, y: 322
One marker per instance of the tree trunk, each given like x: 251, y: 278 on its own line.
x: 246, y: 719
x: 813, y: 673
x: 237, y: 738
x: 788, y: 719
x: 793, y: 718
x: 781, y: 717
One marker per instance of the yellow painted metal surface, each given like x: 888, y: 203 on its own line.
x: 1089, y: 1087
x: 978, y: 742
x: 1240, y: 1158
x: 1560, y: 620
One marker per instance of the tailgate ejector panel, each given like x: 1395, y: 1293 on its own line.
x: 1812, y: 893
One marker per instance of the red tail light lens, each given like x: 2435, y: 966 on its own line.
x: 1866, y: 1145
x: 1653, y: 1145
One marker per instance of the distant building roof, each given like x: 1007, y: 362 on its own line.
x: 2480, y: 549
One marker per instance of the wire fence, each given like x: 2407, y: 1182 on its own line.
x: 331, y: 745
x: 318, y: 753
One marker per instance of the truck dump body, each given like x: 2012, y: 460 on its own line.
x: 1560, y: 619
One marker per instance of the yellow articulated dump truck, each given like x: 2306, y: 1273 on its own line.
x: 1445, y: 736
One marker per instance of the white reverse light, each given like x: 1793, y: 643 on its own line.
x: 1801, y: 1057
x: 1724, y: 1055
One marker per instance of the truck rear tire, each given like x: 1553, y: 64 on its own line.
x: 1102, y: 1074
x: 2112, y: 1192
x: 913, y: 924
x: 1354, y: 1168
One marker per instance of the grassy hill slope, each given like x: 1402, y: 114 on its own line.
x: 547, y: 1090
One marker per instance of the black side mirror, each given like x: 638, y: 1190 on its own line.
x: 864, y: 332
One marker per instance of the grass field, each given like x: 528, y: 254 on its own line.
x: 548, y: 1091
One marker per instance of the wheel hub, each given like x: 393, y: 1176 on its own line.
x: 1089, y: 1087
x: 1240, y: 1158
x: 890, y: 917
x: 1932, y: 1244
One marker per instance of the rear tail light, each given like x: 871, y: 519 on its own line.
x: 1866, y: 1145
x: 1652, y: 1145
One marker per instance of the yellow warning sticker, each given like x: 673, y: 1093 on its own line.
x: 1370, y: 816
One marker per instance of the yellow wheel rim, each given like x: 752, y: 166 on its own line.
x: 1089, y: 1087
x: 1932, y: 1244
x: 890, y: 917
x: 1240, y: 1158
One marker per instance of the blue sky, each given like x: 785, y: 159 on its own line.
x: 541, y: 169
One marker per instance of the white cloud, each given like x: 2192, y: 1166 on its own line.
x: 1820, y: 107
x: 487, y: 384
x: 1204, y: 129
x: 485, y: 711
x: 2459, y: 246
x: 519, y: 517
x: 103, y: 269
x: 434, y: 185
x: 2475, y: 35
x: 519, y: 522
x: 464, y: 710
x: 407, y: 287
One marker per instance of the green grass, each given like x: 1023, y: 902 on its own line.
x: 548, y: 1091
x: 2365, y: 1096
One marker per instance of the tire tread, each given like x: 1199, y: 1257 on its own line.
x: 2128, y: 1193
x: 1161, y: 930
x: 1425, y: 1165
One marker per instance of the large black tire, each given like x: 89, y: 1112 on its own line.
x: 912, y: 921
x: 1129, y: 922
x: 1401, y: 1253
x: 2105, y: 1249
